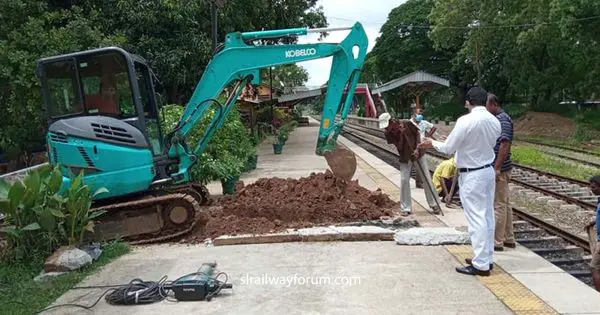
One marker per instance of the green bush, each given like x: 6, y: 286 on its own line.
x: 445, y: 111
x: 39, y: 218
x: 228, y: 151
x: 515, y: 110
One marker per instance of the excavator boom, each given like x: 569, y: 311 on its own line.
x: 240, y: 62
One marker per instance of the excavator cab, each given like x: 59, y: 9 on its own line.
x: 101, y: 106
x: 108, y: 82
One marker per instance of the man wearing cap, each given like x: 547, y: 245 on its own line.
x: 473, y: 139
x: 404, y: 135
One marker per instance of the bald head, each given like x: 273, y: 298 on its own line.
x: 493, y: 103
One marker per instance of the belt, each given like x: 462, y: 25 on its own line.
x: 466, y: 169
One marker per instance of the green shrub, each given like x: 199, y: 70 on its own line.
x: 39, y: 218
x: 227, y: 152
x: 515, y: 110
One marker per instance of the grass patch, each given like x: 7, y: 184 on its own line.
x: 19, y: 294
x: 532, y: 157
x: 569, y: 143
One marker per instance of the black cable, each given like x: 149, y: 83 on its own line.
x: 76, y: 305
x: 138, y: 291
x: 135, y: 292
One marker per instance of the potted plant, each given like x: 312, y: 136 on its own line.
x: 277, y: 146
x: 283, y: 138
x: 252, y: 159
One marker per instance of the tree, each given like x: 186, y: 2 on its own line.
x: 285, y: 77
x: 404, y: 46
x: 30, y: 31
x: 173, y: 35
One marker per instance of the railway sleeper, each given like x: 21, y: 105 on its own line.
x: 529, y: 233
x: 550, y: 186
x: 559, y: 252
x: 566, y: 262
x: 541, y: 242
x: 519, y: 225
x: 580, y: 273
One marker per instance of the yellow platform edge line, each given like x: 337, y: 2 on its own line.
x: 505, y: 287
x: 512, y: 293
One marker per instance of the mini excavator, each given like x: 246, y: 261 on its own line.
x: 104, y: 121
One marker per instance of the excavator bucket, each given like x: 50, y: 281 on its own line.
x: 342, y: 163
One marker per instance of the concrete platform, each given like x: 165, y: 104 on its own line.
x: 355, y: 277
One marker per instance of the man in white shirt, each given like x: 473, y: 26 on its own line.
x: 473, y: 139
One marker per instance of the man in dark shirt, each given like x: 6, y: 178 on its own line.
x: 404, y: 134
x: 595, y: 246
x: 504, y: 235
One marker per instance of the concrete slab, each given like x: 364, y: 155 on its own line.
x: 303, y: 278
x: 431, y: 236
x: 314, y: 234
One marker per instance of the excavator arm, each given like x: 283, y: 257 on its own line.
x: 239, y: 62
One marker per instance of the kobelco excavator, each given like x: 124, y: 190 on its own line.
x: 104, y: 120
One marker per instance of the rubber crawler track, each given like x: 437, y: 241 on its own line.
x: 194, y: 195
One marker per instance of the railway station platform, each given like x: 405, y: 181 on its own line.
x: 355, y: 277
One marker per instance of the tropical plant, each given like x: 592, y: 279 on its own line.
x: 226, y: 154
x: 39, y: 217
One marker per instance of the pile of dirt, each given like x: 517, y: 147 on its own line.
x: 544, y: 124
x: 275, y: 204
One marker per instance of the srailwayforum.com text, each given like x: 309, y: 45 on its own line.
x: 297, y: 279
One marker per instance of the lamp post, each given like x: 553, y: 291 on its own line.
x: 271, y: 92
x: 214, y: 5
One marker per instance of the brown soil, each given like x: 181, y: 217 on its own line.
x: 533, y: 124
x: 275, y: 204
x: 546, y: 124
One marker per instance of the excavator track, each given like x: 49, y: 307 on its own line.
x: 158, y: 216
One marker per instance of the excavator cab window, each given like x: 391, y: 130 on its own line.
x: 148, y: 101
x: 89, y: 84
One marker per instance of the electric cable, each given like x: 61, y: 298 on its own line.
x: 595, y: 17
x: 140, y: 292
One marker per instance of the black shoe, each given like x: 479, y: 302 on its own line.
x: 498, y: 249
x: 469, y: 262
x: 470, y: 270
x: 510, y: 245
x: 436, y: 210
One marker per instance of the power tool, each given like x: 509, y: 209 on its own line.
x: 199, y: 286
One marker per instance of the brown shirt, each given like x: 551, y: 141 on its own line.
x: 405, y: 136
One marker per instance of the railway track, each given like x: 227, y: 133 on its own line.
x: 560, y: 247
x: 569, y: 190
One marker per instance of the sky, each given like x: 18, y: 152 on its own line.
x: 340, y: 13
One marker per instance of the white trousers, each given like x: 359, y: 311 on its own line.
x: 477, y: 197
x: 405, y: 196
